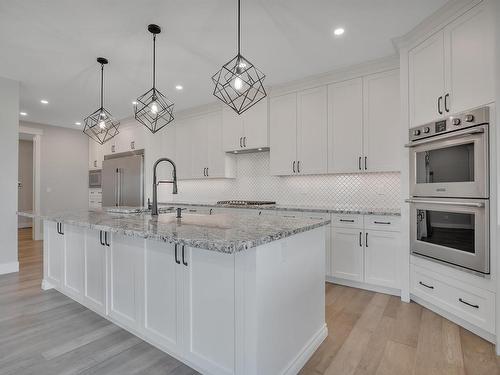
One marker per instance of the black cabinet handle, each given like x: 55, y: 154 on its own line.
x: 366, y: 239
x: 100, y: 238
x: 183, y: 256
x: 244, y: 141
x: 241, y: 139
x: 439, y: 105
x: 347, y: 220
x: 298, y: 166
x: 60, y: 229
x: 360, y: 243
x: 468, y: 304
x: 366, y: 160
x: 382, y: 222
x: 176, y: 259
x: 293, y: 166
x: 207, y: 171
x: 427, y: 286
x: 106, y: 238
x: 359, y: 163
x: 446, y: 102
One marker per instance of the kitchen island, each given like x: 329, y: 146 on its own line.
x: 224, y: 293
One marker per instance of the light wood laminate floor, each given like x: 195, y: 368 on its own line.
x: 369, y: 333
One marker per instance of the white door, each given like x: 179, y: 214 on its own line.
x: 162, y: 294
x: 283, y: 134
x: 53, y: 253
x: 199, y: 150
x: 208, y: 310
x: 215, y: 159
x: 381, y: 252
x: 312, y: 131
x: 381, y: 125
x: 426, y: 80
x: 347, y: 248
x: 345, y: 126
x: 74, y: 260
x: 95, y: 270
x: 125, y: 279
x: 183, y: 146
x: 470, y: 59
x: 232, y: 130
x: 256, y: 126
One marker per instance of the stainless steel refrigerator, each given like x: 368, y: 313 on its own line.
x: 123, y: 179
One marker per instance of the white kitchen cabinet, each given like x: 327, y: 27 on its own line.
x: 163, y: 294
x: 95, y: 270
x: 209, y: 309
x: 345, y: 126
x: 95, y: 155
x: 283, y: 134
x: 183, y: 149
x: 73, y: 281
x: 126, y: 265
x: 381, y: 122
x: 247, y: 131
x: 381, y: 254
x: 347, y: 250
x: 53, y: 253
x: 328, y: 238
x: 199, y: 146
x: 451, y: 71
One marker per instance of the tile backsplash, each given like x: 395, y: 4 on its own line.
x: 254, y: 182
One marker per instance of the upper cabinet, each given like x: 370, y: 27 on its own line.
x: 452, y: 71
x: 248, y: 131
x: 95, y: 155
x: 298, y: 132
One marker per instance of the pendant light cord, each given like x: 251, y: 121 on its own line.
x: 154, y: 61
x: 102, y: 85
x: 239, y: 27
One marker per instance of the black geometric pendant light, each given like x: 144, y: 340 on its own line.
x: 100, y: 125
x: 153, y: 109
x: 239, y: 84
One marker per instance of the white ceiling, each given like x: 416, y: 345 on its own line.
x: 50, y: 46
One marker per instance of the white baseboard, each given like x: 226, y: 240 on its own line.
x: 455, y: 319
x: 9, y: 267
x: 306, y: 353
x: 360, y: 285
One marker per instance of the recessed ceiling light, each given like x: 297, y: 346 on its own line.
x: 43, y: 101
x: 78, y: 123
x: 23, y: 113
x: 179, y: 87
x: 134, y: 102
x: 338, y: 31
x: 259, y: 149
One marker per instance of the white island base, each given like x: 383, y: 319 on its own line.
x: 259, y: 311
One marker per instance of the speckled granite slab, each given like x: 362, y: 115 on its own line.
x: 279, y: 207
x: 227, y: 233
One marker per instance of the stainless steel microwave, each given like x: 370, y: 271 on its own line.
x: 450, y: 157
x: 95, y: 178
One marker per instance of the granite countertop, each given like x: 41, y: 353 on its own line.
x: 320, y: 209
x: 227, y: 232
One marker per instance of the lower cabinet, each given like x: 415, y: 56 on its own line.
x: 74, y: 250
x: 96, y: 260
x: 381, y: 254
x: 347, y: 259
x: 53, y: 259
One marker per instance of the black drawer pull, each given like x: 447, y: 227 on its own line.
x: 427, y: 286
x: 382, y: 222
x: 468, y: 304
x: 347, y: 220
x: 175, y: 253
x: 183, y: 256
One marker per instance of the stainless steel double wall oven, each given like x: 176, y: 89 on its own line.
x: 449, y: 187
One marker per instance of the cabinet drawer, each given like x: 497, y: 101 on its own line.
x: 382, y: 222
x: 476, y: 306
x: 317, y: 215
x: 347, y: 221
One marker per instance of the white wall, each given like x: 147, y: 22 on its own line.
x: 63, y: 168
x: 25, y: 177
x: 9, y: 122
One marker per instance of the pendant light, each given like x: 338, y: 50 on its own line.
x: 153, y: 109
x: 100, y: 125
x: 239, y: 84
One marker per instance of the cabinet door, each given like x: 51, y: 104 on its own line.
x: 232, y: 130
x: 345, y: 126
x: 215, y: 159
x: 53, y: 253
x: 199, y: 150
x: 347, y: 247
x: 381, y: 252
x: 283, y: 133
x: 426, y: 80
x: 162, y: 294
x: 183, y: 147
x: 74, y: 261
x: 125, y: 279
x: 381, y: 130
x: 95, y: 271
x: 208, y: 310
x: 471, y: 59
x: 328, y: 240
x: 312, y: 131
x: 256, y: 126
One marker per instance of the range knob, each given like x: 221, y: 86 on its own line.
x: 469, y: 118
x: 456, y: 121
x: 416, y: 132
x: 427, y: 130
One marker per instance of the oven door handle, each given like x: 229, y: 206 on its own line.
x: 445, y: 136
x: 466, y: 204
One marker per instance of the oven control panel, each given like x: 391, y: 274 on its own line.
x: 449, y: 124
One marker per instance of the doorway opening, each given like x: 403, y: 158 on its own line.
x: 25, y: 181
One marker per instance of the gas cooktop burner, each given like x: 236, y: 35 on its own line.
x: 245, y: 203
